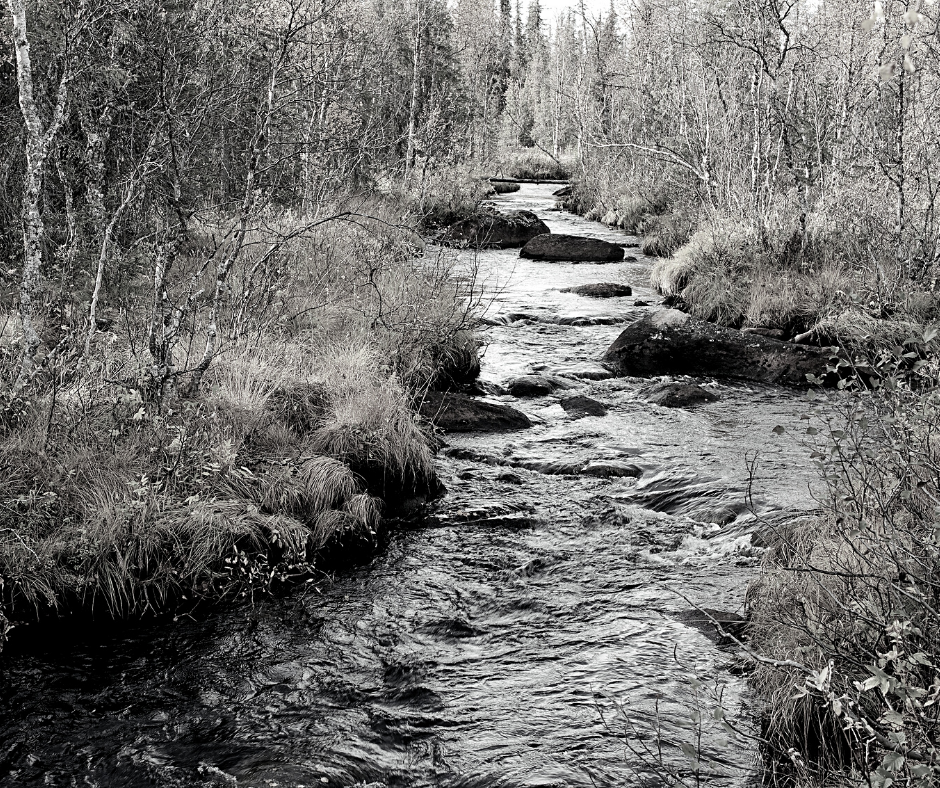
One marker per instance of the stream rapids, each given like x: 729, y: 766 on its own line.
x: 530, y: 632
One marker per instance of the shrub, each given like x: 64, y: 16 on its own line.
x: 845, y: 614
x: 534, y: 165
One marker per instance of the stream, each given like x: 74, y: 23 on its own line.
x: 531, y: 632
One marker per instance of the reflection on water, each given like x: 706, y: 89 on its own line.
x: 525, y: 634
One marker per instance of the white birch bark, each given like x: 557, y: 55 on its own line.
x: 38, y: 143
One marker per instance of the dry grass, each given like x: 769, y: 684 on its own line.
x: 729, y: 274
x: 301, y: 425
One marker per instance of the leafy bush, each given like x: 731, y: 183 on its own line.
x: 846, y: 612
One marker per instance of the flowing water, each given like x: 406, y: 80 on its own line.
x: 531, y: 631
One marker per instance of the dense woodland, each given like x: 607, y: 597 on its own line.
x: 217, y: 306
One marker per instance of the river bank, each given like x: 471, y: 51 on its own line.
x: 120, y: 502
x: 843, y: 603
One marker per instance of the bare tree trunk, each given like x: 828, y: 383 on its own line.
x: 38, y: 143
x: 415, y: 83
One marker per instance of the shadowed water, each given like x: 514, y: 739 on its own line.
x: 527, y: 633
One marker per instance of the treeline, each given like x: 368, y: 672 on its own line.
x: 793, y: 143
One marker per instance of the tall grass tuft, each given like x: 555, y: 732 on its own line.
x: 298, y: 433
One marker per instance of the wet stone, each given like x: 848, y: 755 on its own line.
x: 550, y: 467
x: 571, y: 248
x: 452, y: 412
x: 718, y: 625
x: 580, y: 406
x: 531, y: 386
x: 601, y: 290
x: 609, y: 469
x: 584, y: 371
x: 676, y: 394
x: 509, y: 478
x: 490, y: 229
x: 671, y: 342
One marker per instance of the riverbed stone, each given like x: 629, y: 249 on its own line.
x: 720, y: 626
x: 453, y: 412
x: 490, y: 229
x: 580, y: 406
x: 584, y: 370
x: 676, y: 394
x: 571, y: 248
x: 564, y: 191
x: 531, y: 386
x: 611, y: 469
x: 600, y: 290
x: 670, y: 342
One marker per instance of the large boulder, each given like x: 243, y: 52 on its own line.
x: 600, y: 290
x: 571, y: 248
x: 452, y: 412
x: 494, y: 230
x: 670, y: 342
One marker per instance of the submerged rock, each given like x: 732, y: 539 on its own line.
x: 581, y: 406
x: 608, y: 469
x: 585, y: 370
x: 670, y: 342
x: 601, y: 290
x: 718, y: 625
x: 494, y: 230
x: 453, y: 412
x: 676, y: 394
x: 571, y: 248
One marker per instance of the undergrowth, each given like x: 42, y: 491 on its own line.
x: 535, y: 165
x: 300, y: 435
x: 844, y: 616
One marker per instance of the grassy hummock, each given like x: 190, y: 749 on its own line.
x: 300, y: 437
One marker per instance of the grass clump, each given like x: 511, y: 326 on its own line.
x: 798, y: 276
x: 239, y: 490
x: 442, y: 197
x: 501, y: 187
